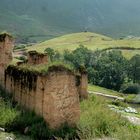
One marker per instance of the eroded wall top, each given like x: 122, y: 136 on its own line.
x: 35, y: 58
x: 6, y: 49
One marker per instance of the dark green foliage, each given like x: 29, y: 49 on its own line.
x: 107, y: 69
x: 111, y: 67
x: 79, y: 57
x: 54, y: 55
x: 134, y: 69
x: 131, y: 88
x: 50, y: 53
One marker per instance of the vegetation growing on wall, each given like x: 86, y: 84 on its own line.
x: 26, y: 78
x: 45, y: 68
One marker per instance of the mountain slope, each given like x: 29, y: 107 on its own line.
x: 72, y: 41
x: 52, y: 18
x: 90, y: 40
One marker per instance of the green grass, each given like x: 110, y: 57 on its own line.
x: 44, y: 68
x: 97, y: 120
x: 95, y: 88
x: 90, y: 40
x: 129, y: 98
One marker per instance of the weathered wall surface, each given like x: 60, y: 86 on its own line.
x: 83, y: 94
x: 6, y: 46
x: 35, y: 58
x: 54, y: 96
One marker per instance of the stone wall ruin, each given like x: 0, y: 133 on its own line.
x: 54, y: 96
x: 35, y: 58
x: 6, y: 46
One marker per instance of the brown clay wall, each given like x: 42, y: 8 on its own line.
x: 35, y: 58
x: 83, y: 86
x: 54, y: 96
x: 6, y: 46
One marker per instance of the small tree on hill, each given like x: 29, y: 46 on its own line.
x: 50, y: 53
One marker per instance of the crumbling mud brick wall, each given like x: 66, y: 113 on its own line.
x: 35, y: 58
x: 6, y: 47
x: 55, y: 96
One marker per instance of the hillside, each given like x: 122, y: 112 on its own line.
x: 90, y: 40
x: 37, y: 20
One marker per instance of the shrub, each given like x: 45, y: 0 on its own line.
x: 7, y: 114
x: 131, y: 88
x: 20, y: 47
x: 23, y: 58
x: 119, y: 103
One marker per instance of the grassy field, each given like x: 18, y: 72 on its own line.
x: 130, y: 53
x: 104, y: 90
x: 90, y: 40
x: 129, y: 98
x: 97, y: 120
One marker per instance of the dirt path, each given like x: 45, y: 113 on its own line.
x: 106, y: 95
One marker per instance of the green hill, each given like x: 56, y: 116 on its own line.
x: 34, y: 19
x: 91, y: 41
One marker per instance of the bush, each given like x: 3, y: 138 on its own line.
x: 131, y: 89
x: 20, y: 47
x: 23, y: 58
x: 119, y: 103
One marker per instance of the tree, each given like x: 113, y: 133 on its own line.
x: 78, y: 57
x: 50, y: 52
x: 134, y: 71
x: 111, y: 69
